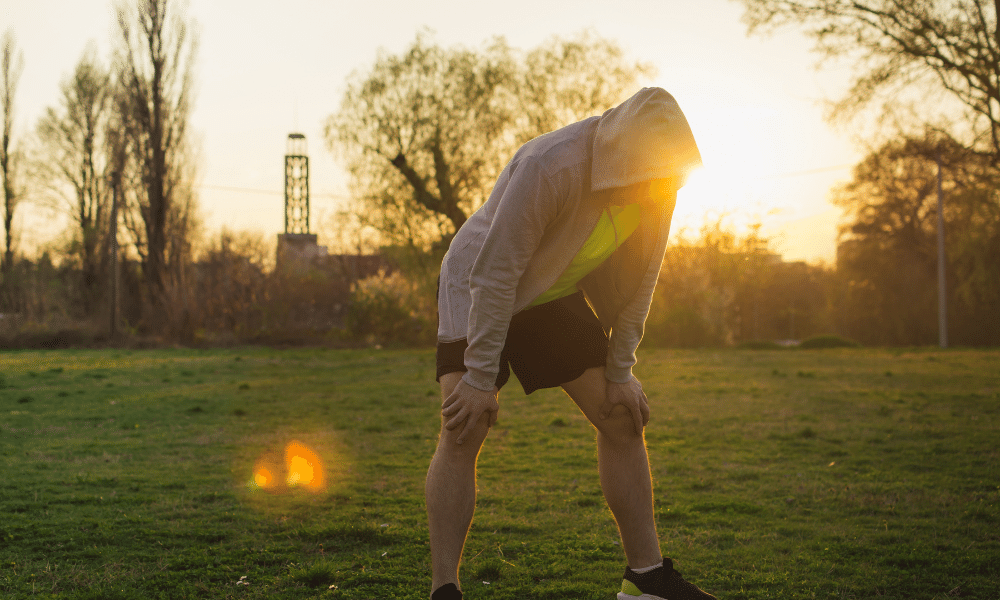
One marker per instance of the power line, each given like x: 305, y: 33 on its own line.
x: 808, y: 172
x: 225, y: 188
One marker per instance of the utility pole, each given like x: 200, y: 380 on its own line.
x: 942, y: 292
x: 113, y: 231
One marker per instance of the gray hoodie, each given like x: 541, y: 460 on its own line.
x: 537, y: 218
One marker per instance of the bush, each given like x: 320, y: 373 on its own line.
x: 58, y: 339
x: 828, y: 341
x: 382, y: 311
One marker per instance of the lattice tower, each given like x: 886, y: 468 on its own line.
x: 296, y: 185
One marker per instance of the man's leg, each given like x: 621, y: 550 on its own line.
x: 624, y: 469
x: 450, y: 492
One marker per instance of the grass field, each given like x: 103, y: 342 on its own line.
x: 778, y: 474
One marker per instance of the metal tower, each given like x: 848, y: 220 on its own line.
x: 296, y: 185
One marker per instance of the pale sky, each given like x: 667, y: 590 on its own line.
x: 267, y: 69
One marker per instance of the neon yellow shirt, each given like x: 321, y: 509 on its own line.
x: 611, y: 231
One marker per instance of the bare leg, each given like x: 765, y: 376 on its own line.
x: 450, y: 492
x: 624, y: 469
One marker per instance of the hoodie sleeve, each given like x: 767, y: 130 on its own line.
x: 627, y: 331
x: 529, y: 203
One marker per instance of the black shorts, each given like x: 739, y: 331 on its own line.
x: 547, y: 345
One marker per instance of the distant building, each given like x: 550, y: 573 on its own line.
x: 298, y: 253
x: 297, y: 248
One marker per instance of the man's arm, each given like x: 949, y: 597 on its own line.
x: 627, y: 331
x: 527, y: 207
x: 623, y: 387
x: 524, y: 212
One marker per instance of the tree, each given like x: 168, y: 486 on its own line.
x: 887, y: 256
x: 720, y: 289
x: 230, y: 282
x: 10, y: 73
x: 156, y: 53
x: 74, y: 164
x: 566, y: 80
x: 905, y: 46
x: 795, y: 305
x: 425, y: 133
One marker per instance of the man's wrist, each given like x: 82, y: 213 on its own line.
x: 480, y: 380
x: 618, y: 375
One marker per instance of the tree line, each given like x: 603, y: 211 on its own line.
x: 114, y: 154
x: 423, y: 135
x: 926, y: 81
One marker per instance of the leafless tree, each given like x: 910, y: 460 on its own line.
x: 10, y: 72
x: 74, y: 165
x: 155, y: 54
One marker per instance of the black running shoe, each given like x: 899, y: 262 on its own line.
x: 662, y: 583
x: 448, y: 591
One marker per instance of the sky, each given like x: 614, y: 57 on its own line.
x: 267, y: 69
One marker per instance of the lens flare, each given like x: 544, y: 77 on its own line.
x: 300, y: 469
x: 303, y: 467
x: 263, y: 477
x: 266, y: 473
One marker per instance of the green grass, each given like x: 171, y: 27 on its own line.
x: 843, y: 473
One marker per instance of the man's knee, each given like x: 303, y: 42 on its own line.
x: 473, y: 440
x: 448, y: 437
x: 618, y: 427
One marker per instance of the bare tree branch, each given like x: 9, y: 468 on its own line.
x: 74, y: 157
x: 10, y: 72
x: 898, y: 44
x: 156, y: 51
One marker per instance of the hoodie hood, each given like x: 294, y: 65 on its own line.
x: 646, y: 137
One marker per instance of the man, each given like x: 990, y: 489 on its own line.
x: 576, y: 225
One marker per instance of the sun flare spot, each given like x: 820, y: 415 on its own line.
x: 266, y: 473
x: 262, y: 477
x: 301, y: 468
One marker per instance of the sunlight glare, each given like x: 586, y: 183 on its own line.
x: 742, y: 145
x: 265, y: 473
x: 737, y: 196
x: 262, y: 477
x: 303, y: 467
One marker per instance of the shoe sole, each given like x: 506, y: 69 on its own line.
x: 624, y: 596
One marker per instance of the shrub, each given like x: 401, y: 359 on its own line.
x: 383, y: 311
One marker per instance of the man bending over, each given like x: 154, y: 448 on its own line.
x: 552, y: 278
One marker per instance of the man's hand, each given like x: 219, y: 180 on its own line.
x: 467, y: 403
x: 631, y: 396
